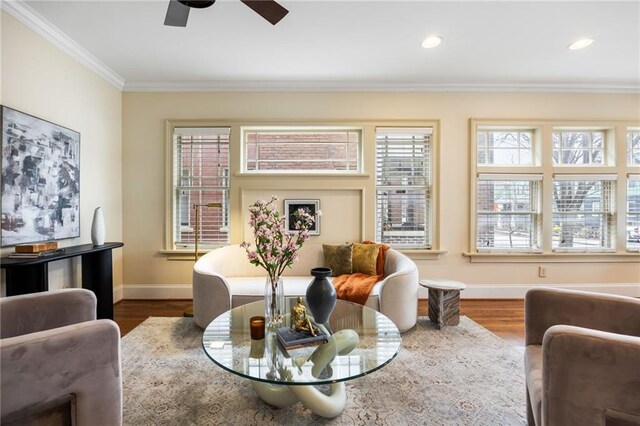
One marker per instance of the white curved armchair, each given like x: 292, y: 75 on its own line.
x: 224, y: 278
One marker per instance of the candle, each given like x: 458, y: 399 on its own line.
x: 256, y: 325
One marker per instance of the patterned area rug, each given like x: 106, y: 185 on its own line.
x: 462, y: 375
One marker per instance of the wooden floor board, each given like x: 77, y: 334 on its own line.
x: 503, y: 317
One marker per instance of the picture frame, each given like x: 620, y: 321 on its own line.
x: 310, y: 206
x: 40, y: 179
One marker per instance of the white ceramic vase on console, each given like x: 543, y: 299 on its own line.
x: 97, y: 227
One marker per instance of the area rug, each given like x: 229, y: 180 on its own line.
x: 462, y: 375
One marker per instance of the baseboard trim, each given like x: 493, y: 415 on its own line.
x: 118, y: 294
x: 473, y: 291
x: 171, y: 291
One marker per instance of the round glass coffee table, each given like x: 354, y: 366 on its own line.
x: 362, y: 342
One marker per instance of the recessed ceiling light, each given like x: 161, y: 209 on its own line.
x: 431, y: 41
x: 580, y: 44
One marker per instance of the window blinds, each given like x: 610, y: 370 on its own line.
x: 508, y: 213
x: 201, y: 177
x: 583, y: 213
x: 403, y: 187
x: 633, y: 212
x: 301, y: 150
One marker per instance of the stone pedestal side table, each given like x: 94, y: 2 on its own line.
x: 444, y: 300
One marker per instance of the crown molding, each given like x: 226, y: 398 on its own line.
x: 32, y: 19
x: 346, y: 86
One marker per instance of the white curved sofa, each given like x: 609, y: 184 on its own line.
x: 224, y: 279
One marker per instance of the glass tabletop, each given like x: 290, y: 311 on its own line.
x: 364, y: 341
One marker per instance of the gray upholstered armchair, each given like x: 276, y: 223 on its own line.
x: 582, y: 358
x: 58, y: 364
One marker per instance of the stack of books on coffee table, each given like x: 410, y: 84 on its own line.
x: 299, y: 339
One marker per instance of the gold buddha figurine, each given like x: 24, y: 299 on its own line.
x: 299, y: 319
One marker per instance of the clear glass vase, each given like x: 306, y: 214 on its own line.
x: 274, y: 307
x: 274, y: 356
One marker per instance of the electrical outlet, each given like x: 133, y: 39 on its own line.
x: 542, y: 271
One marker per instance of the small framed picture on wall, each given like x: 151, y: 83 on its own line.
x: 311, y: 207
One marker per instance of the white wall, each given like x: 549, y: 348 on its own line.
x: 148, y: 272
x: 38, y: 79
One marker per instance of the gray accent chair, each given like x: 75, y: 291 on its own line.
x: 582, y: 358
x: 58, y: 364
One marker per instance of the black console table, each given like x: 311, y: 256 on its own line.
x: 32, y: 275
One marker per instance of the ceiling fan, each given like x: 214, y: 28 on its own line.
x: 178, y: 11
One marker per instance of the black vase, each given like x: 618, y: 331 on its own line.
x: 321, y: 295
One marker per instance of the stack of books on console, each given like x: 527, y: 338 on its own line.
x: 299, y: 339
x: 34, y: 251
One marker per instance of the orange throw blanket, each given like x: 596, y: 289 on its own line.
x: 357, y: 287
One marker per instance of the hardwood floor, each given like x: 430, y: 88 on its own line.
x: 130, y: 313
x: 504, y: 318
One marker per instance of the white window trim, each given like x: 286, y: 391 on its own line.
x: 429, y: 187
x: 616, y: 131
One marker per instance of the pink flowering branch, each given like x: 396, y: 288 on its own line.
x: 275, y: 247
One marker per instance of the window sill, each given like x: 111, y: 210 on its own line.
x: 415, y: 254
x: 418, y: 254
x: 566, y: 257
x: 182, y: 254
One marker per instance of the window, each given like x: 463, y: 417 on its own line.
x: 583, y: 217
x: 633, y: 213
x: 403, y: 187
x: 575, y: 147
x: 200, y: 177
x: 633, y: 147
x: 552, y: 188
x: 302, y: 150
x: 505, y: 147
x: 508, y: 215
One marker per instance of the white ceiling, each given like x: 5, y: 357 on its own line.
x: 510, y: 45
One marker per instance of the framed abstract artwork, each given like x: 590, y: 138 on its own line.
x: 40, y: 179
x: 309, y: 206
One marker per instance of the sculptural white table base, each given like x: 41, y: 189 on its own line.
x: 281, y: 396
x: 331, y: 405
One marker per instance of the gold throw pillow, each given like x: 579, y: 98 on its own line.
x: 338, y: 258
x: 364, y: 258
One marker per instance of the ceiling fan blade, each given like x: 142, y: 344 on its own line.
x: 177, y: 14
x: 268, y: 9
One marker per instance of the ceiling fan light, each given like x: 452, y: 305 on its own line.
x: 580, y: 44
x: 431, y: 42
x: 197, y: 4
